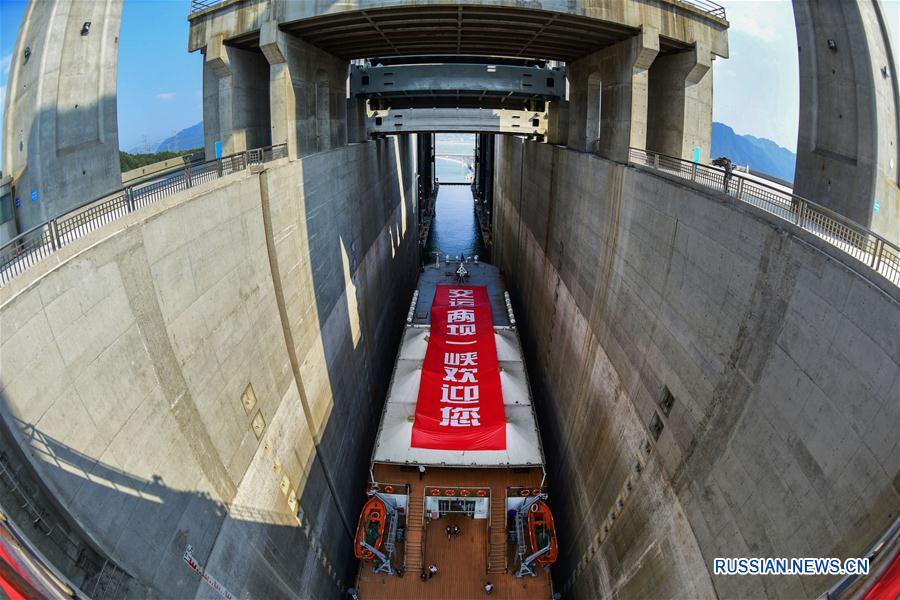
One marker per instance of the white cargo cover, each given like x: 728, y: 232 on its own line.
x: 522, y: 441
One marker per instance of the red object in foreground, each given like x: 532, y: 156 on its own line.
x: 370, y: 529
x: 20, y: 574
x: 888, y: 585
x: 542, y: 531
x: 460, y: 403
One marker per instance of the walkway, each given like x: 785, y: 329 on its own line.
x: 33, y: 246
x: 855, y: 240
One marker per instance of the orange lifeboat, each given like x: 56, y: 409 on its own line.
x: 542, y: 531
x: 370, y: 529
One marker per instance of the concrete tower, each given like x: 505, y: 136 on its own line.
x: 847, y: 154
x: 60, y: 135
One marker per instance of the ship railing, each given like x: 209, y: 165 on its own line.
x: 852, y: 238
x: 34, y: 245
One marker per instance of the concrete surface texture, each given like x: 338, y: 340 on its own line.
x: 7, y: 209
x: 679, y: 104
x: 60, y: 135
x: 781, y: 355
x: 609, y: 45
x: 848, y: 141
x: 128, y: 365
x: 608, y: 97
x: 514, y: 28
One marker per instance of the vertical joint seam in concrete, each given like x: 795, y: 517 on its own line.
x: 289, y: 343
x: 137, y: 280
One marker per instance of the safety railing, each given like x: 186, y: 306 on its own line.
x: 705, y: 5
x: 198, y: 5
x: 854, y: 239
x: 708, y: 7
x: 36, y: 244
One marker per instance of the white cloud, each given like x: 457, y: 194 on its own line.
x: 5, y: 62
x: 757, y: 87
x: 166, y: 96
x: 761, y: 19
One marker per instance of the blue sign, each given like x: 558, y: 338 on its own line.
x: 18, y: 202
x: 877, y: 208
x: 34, y: 195
x: 696, y: 154
x: 218, y: 149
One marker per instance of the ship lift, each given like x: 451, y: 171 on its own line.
x: 387, y: 552
x: 527, y: 563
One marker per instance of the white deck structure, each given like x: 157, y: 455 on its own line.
x: 523, y: 446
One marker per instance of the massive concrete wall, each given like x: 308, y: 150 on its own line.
x: 126, y: 356
x: 848, y: 140
x: 60, y: 135
x: 780, y: 352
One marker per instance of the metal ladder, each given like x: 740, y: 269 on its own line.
x: 391, y: 542
x: 525, y: 562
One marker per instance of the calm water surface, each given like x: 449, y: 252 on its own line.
x: 455, y: 230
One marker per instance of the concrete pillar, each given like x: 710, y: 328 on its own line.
x: 235, y: 98
x: 282, y: 100
x: 679, y: 109
x: 847, y: 142
x: 558, y: 122
x: 608, y: 96
x: 356, y: 120
x: 7, y: 210
x: 425, y: 163
x: 308, y: 89
x: 60, y: 130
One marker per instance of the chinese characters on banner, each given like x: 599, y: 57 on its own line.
x: 460, y: 404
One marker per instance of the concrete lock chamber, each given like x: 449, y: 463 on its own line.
x: 192, y: 379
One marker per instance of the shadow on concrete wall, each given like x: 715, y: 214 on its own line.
x: 277, y: 553
x: 362, y: 246
x: 359, y: 348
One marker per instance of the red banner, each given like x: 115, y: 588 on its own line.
x: 460, y: 404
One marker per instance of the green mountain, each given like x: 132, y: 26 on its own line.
x: 761, y: 154
x: 186, y: 139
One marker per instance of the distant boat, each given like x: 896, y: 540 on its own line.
x: 370, y: 529
x: 542, y: 532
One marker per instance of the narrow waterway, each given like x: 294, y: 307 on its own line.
x: 454, y: 230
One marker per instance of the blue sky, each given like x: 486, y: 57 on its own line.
x: 159, y: 88
x: 160, y: 83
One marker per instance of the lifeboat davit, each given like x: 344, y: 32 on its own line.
x: 370, y: 529
x: 541, y: 532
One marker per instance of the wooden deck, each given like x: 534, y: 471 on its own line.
x: 462, y: 561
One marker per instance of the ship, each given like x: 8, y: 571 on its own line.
x: 457, y: 475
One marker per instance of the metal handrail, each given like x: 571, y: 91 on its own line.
x: 862, y: 244
x: 198, y: 5
x: 708, y: 7
x: 39, y: 242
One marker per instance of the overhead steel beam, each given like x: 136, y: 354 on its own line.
x: 455, y: 78
x: 463, y: 120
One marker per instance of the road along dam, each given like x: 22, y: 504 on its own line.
x: 197, y: 373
